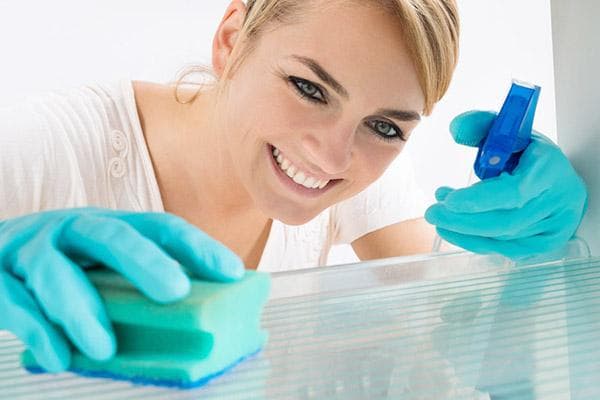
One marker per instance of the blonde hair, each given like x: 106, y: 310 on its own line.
x: 430, y: 28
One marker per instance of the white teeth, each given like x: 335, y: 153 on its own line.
x: 299, y: 178
x: 291, y: 171
x: 296, y: 175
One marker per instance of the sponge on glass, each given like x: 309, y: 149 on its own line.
x: 182, y: 344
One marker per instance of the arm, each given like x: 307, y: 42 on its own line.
x: 404, y: 238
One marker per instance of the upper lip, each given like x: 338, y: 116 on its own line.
x: 303, y: 168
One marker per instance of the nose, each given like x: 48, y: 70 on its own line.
x: 330, y: 149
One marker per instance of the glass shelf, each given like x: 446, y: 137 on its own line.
x: 444, y: 326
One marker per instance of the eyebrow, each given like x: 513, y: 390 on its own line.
x: 400, y: 115
x: 322, y: 74
x: 326, y: 77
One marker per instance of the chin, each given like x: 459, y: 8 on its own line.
x: 295, y: 220
x: 293, y: 216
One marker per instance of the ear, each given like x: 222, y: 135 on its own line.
x: 227, y: 35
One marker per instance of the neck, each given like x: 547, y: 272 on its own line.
x: 195, y: 171
x: 201, y: 172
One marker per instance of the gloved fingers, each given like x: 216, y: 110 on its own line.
x: 560, y: 221
x: 471, y: 127
x: 67, y: 297
x: 542, y: 243
x: 544, y: 166
x: 22, y: 316
x: 531, y: 178
x: 539, y: 228
x: 515, y: 249
x: 117, y: 245
x: 484, y: 245
x: 442, y: 192
x: 503, y: 192
x: 540, y: 148
x: 538, y: 163
x: 202, y: 255
x: 491, y: 224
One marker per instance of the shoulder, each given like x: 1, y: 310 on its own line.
x: 34, y: 153
x: 73, y: 110
x: 69, y: 146
x: 150, y: 96
x: 154, y: 102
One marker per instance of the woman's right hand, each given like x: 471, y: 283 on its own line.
x: 45, y: 297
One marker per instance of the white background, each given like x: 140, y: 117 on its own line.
x: 48, y: 45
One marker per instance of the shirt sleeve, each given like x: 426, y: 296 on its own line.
x: 75, y: 147
x: 393, y: 198
x: 35, y: 173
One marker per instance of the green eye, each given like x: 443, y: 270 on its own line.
x: 385, y: 129
x: 308, y: 89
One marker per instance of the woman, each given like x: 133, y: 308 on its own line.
x: 284, y: 155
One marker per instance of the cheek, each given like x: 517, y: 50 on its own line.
x: 373, y: 160
x: 283, y: 117
x: 272, y: 110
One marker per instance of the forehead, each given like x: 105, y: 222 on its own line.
x: 362, y: 46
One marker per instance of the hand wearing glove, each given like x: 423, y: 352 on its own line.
x: 45, y: 297
x: 534, y: 209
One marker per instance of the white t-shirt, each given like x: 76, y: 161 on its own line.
x: 85, y: 147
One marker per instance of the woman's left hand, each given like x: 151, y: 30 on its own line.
x: 534, y: 209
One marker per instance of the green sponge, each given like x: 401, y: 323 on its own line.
x: 182, y: 344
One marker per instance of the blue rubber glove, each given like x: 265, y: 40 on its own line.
x: 535, y: 209
x: 46, y: 299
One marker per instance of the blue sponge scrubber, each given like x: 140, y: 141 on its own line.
x: 182, y: 344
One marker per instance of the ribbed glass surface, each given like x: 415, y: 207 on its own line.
x: 453, y: 327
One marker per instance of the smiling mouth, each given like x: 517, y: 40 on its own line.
x: 299, y: 178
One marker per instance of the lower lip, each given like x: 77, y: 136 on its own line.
x: 293, y: 186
